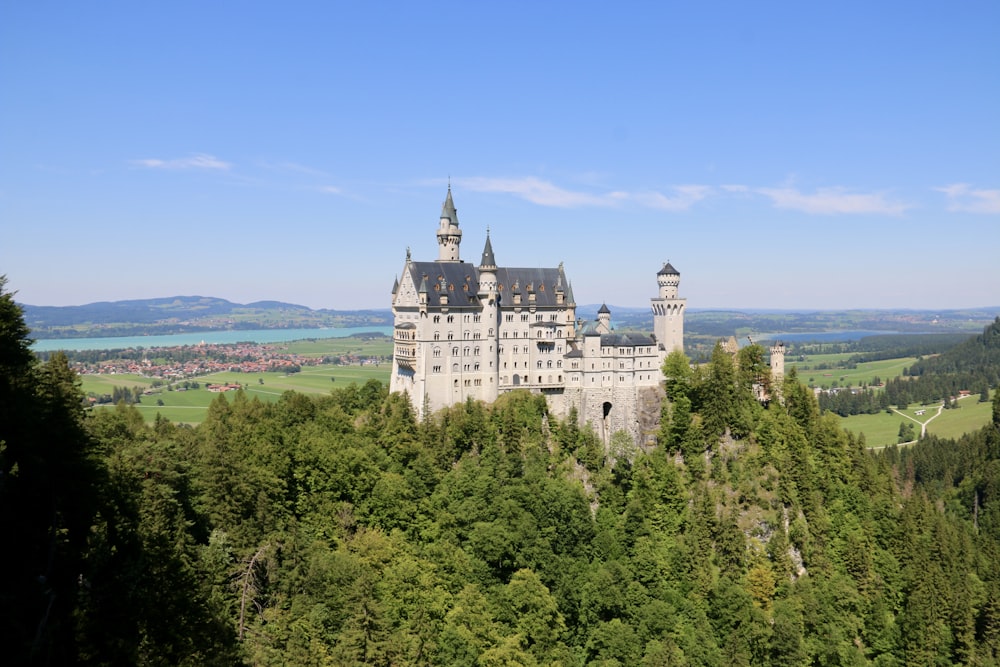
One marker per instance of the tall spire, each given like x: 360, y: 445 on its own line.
x: 488, y: 260
x: 449, y: 236
x: 448, y: 209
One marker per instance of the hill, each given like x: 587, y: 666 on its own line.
x: 181, y: 314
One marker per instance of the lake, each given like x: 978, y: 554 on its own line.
x: 822, y: 336
x: 212, y: 337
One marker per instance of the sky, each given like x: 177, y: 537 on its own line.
x: 781, y: 155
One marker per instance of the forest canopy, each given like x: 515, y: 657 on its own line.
x: 338, y: 530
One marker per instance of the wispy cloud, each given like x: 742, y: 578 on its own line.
x: 198, y: 161
x: 544, y: 193
x: 536, y: 191
x: 828, y: 201
x: 963, y: 197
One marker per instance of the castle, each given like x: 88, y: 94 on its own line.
x: 464, y: 331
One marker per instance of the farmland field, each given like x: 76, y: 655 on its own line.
x: 189, y: 406
x: 882, y: 429
x: 862, y: 373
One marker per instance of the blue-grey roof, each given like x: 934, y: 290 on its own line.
x: 462, y: 283
x: 626, y: 340
x: 448, y: 209
x: 668, y: 270
x: 488, y: 258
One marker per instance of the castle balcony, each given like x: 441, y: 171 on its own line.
x: 405, y: 355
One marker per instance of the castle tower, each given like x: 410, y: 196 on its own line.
x: 489, y: 327
x: 604, y: 319
x: 778, y: 362
x: 668, y: 311
x: 449, y: 236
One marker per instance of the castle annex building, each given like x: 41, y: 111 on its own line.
x: 476, y: 331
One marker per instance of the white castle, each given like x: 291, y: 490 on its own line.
x: 463, y: 331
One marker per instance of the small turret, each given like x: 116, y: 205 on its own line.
x: 449, y: 236
x: 604, y: 319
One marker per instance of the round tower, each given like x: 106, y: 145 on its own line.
x: 449, y: 236
x: 489, y: 325
x: 777, y: 361
x: 669, y: 279
x: 668, y: 311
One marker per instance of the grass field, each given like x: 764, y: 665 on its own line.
x: 810, y: 375
x: 190, y: 406
x: 883, y: 429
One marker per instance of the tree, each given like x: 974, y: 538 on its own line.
x: 906, y: 432
x: 48, y: 482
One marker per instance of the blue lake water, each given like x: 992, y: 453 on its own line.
x: 822, y: 336
x: 216, y: 337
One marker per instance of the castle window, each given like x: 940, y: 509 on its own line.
x: 454, y: 351
x: 490, y: 333
x: 437, y: 369
x: 437, y: 335
x: 466, y: 351
x: 451, y: 318
x: 524, y: 317
x: 476, y: 318
x: 476, y: 352
x: 475, y: 366
x: 467, y: 335
x: 437, y: 351
x: 539, y: 364
x: 451, y: 335
x: 548, y: 364
x: 454, y: 368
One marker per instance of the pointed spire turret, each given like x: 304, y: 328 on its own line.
x: 488, y: 261
x: 448, y: 209
x: 449, y: 236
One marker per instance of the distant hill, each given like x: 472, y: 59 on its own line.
x: 181, y: 314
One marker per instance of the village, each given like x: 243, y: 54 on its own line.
x: 172, y: 365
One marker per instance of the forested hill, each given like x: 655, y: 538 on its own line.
x: 181, y: 314
x: 972, y: 366
x: 338, y: 530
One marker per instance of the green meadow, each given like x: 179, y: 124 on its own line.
x: 190, y: 406
x: 883, y: 429
x: 838, y: 372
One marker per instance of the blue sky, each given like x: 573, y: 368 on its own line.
x: 781, y: 155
